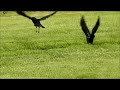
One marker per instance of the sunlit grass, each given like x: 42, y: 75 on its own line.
x: 60, y: 50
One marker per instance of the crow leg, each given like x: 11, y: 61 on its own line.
x: 38, y: 29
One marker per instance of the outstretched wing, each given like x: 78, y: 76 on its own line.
x: 96, y: 26
x: 45, y: 17
x: 84, y: 27
x: 23, y: 14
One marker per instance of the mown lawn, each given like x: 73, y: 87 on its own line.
x: 59, y: 50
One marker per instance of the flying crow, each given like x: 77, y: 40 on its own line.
x: 89, y: 37
x: 36, y: 21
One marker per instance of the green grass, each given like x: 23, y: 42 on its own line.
x: 60, y: 50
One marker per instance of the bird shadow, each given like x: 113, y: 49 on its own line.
x: 41, y: 46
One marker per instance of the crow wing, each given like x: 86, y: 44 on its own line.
x: 84, y: 27
x: 45, y: 17
x: 23, y: 14
x: 96, y: 26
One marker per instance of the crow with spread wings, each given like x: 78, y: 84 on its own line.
x: 89, y: 37
x: 36, y: 21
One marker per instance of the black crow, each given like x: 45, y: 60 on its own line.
x: 36, y: 21
x: 89, y: 37
x: 4, y: 12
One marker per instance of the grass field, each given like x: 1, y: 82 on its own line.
x: 59, y: 50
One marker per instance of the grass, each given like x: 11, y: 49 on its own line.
x: 60, y: 50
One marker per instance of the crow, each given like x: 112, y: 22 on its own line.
x: 89, y: 37
x: 36, y: 21
x: 4, y: 12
